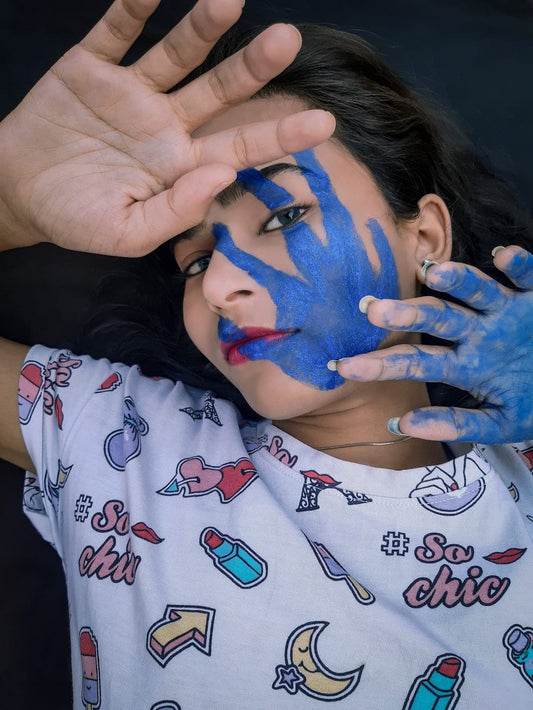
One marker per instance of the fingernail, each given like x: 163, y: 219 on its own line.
x: 426, y: 264
x: 332, y: 365
x: 496, y: 250
x: 365, y: 302
x: 393, y: 425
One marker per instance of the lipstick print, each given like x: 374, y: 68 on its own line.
x: 234, y: 558
x: 438, y: 688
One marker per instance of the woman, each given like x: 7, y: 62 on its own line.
x: 202, y: 552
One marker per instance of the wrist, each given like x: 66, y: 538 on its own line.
x: 16, y: 229
x: 12, y: 234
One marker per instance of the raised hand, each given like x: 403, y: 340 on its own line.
x: 99, y: 158
x: 491, y: 356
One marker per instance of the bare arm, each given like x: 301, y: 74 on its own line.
x: 12, y: 447
x: 99, y: 158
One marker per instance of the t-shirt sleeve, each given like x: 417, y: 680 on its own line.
x: 54, y: 388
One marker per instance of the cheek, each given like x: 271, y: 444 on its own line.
x: 194, y: 316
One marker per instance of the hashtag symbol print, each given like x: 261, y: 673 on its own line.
x: 395, y: 543
x: 83, y: 506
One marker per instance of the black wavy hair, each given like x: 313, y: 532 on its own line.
x: 409, y: 148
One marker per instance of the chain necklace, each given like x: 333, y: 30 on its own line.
x: 364, y: 443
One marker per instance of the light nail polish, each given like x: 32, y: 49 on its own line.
x: 365, y: 302
x: 393, y: 425
x: 496, y: 250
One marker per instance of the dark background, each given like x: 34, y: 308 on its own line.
x: 474, y: 56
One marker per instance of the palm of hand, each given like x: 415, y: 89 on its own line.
x: 97, y: 143
x: 99, y: 158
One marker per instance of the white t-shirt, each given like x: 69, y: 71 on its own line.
x: 214, y: 564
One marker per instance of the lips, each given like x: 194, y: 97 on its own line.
x: 506, y: 557
x: 230, y: 350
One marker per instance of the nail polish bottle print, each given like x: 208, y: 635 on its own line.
x: 520, y: 643
x: 439, y: 689
x: 233, y: 557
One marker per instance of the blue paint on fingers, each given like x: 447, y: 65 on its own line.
x: 320, y: 303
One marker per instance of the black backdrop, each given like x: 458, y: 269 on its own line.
x: 475, y: 56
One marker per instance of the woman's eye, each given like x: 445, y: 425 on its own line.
x: 284, y: 218
x: 197, y: 266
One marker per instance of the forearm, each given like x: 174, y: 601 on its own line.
x: 12, y: 447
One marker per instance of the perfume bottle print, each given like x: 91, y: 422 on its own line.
x: 234, y: 558
x: 519, y: 644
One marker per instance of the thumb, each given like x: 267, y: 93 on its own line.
x: 172, y: 211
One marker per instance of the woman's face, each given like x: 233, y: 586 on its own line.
x: 276, y: 271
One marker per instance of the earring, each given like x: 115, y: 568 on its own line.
x: 425, y: 266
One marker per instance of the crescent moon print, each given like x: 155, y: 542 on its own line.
x: 457, y: 503
x: 305, y: 671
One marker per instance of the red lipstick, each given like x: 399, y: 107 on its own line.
x: 231, y: 350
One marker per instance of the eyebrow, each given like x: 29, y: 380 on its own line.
x: 236, y: 191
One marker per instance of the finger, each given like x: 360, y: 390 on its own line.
x: 238, y: 77
x: 173, y: 211
x: 258, y: 143
x: 468, y: 285
x: 433, y: 316
x: 517, y: 264
x: 188, y: 44
x: 118, y: 29
x: 422, y: 363
x: 453, y: 424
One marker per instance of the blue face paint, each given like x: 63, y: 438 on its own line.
x: 321, y: 303
x: 270, y: 194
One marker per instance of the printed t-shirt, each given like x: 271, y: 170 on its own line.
x: 222, y: 564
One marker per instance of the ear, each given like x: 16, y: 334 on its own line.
x: 434, y: 232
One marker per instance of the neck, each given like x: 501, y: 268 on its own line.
x: 362, y: 417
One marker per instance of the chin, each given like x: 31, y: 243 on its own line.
x: 274, y: 395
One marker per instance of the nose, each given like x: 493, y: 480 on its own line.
x: 225, y: 286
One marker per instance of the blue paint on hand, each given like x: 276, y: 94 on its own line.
x: 320, y: 304
x: 490, y: 356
